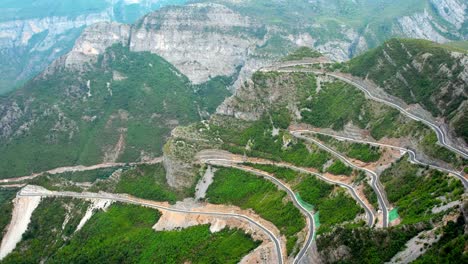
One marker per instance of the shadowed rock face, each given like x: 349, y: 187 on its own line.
x: 202, y: 40
x: 206, y: 40
x: 34, y: 33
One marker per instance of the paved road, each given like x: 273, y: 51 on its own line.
x: 369, y: 213
x: 80, y: 168
x: 130, y: 200
x: 441, y: 135
x: 307, y: 213
x: 411, y: 153
x: 375, y: 178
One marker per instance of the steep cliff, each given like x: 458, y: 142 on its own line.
x: 35, y: 33
x: 263, y: 30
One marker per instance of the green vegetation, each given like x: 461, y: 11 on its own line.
x: 257, y: 140
x: 364, y: 152
x: 124, y: 234
x: 366, y: 245
x: 339, y: 168
x: 335, y: 205
x: 425, y: 84
x: 415, y: 190
x: 306, y: 205
x: 236, y: 187
x: 6, y: 207
x: 146, y: 182
x: 285, y: 174
x: 88, y: 176
x: 451, y: 248
x: 370, y: 195
x: 431, y: 147
x: 460, y: 45
x: 339, y: 103
x: 140, y: 108
x: 335, y: 105
x: 45, y: 234
x: 302, y: 53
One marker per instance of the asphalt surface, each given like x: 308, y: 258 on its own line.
x: 441, y: 136
x: 139, y: 202
x: 310, y: 238
x: 375, y: 178
x: 411, y: 153
x: 369, y: 213
x: 440, y: 133
x: 311, y: 235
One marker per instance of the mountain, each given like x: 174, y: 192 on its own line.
x: 212, y: 132
x: 35, y: 33
x: 421, y: 72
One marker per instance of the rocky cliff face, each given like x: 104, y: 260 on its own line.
x: 29, y: 44
x: 442, y: 24
x: 206, y: 40
x: 201, y: 40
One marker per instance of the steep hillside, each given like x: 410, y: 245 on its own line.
x: 422, y: 72
x: 121, y: 108
x: 34, y: 33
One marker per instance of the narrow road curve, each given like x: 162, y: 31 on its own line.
x: 80, y: 168
x: 439, y: 132
x: 369, y: 213
x: 375, y: 178
x: 441, y: 136
x: 411, y: 153
x: 311, y: 221
x: 135, y: 201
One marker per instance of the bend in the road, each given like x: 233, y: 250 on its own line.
x: 148, y: 204
x: 412, y: 154
x: 375, y: 178
x: 307, y: 213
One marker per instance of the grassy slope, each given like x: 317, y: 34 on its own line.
x: 338, y: 103
x: 6, y: 208
x: 236, y: 187
x: 153, y: 96
x: 124, y: 234
x: 428, y: 85
x: 421, y: 84
x: 365, y: 245
x: 334, y: 205
x: 144, y: 181
x: 359, y: 151
x: 415, y: 190
x: 45, y: 235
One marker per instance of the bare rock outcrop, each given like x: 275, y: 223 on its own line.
x: 201, y: 40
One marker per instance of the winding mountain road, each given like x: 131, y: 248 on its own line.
x: 441, y: 135
x: 215, y: 156
x: 307, y: 213
x: 412, y: 154
x: 375, y: 178
x: 78, y: 168
x: 136, y: 201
